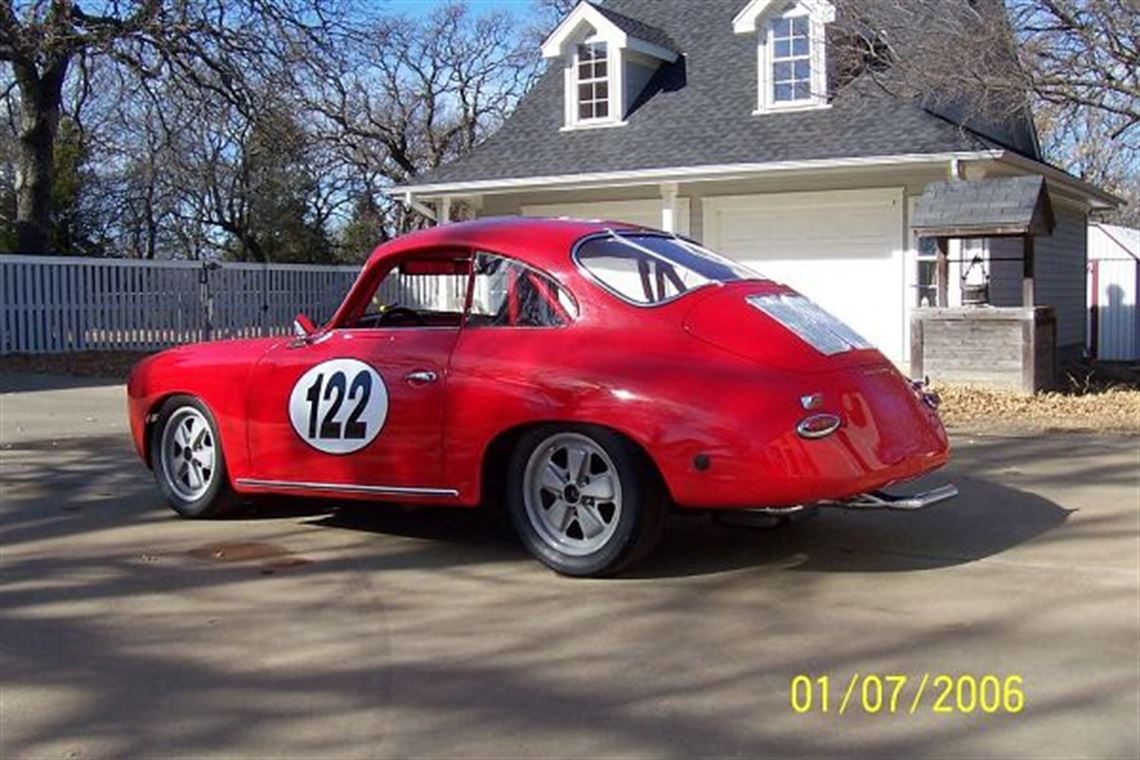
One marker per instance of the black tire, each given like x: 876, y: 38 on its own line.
x: 636, y: 524
x: 217, y: 497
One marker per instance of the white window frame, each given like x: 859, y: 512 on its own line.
x: 817, y: 55
x: 608, y: 80
x: 615, y: 60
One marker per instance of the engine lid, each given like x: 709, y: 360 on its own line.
x: 772, y: 324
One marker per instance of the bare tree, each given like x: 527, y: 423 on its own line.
x: 411, y: 94
x: 217, y: 48
x: 1074, y: 63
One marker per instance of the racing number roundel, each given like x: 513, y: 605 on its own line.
x: 339, y: 406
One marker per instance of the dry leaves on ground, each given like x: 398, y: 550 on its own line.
x: 1107, y: 410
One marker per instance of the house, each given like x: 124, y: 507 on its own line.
x: 1114, y: 290
x: 722, y: 120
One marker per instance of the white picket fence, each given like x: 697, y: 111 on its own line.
x: 51, y: 304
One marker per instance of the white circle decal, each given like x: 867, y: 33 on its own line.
x: 339, y: 406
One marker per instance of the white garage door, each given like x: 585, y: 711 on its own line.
x: 646, y: 213
x: 844, y: 250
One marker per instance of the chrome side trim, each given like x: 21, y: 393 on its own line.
x: 347, y: 488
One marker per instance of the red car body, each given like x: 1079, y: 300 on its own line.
x: 711, y: 389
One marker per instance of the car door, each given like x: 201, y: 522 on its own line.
x: 355, y: 408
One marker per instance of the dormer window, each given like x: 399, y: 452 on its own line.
x: 791, y: 59
x: 607, y: 60
x: 593, y: 82
x: 791, y: 52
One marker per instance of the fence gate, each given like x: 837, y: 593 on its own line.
x: 52, y: 304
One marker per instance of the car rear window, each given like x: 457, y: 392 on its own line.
x: 648, y: 269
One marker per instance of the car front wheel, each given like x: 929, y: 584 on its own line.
x: 187, y: 457
x: 585, y: 501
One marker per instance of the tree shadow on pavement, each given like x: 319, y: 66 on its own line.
x: 430, y: 632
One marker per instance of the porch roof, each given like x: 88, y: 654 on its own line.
x: 993, y: 207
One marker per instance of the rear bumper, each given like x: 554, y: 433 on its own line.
x: 883, y: 500
x: 769, y: 517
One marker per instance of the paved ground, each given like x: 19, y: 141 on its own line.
x: 126, y: 632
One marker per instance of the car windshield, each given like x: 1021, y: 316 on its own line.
x: 649, y: 269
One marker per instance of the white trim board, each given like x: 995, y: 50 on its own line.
x: 619, y: 211
x: 707, y: 173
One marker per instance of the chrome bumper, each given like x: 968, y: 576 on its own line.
x: 882, y: 500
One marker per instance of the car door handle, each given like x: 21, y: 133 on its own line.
x: 421, y: 377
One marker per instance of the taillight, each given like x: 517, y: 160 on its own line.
x: 922, y: 390
x: 818, y: 426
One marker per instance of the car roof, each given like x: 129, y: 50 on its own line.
x: 542, y: 243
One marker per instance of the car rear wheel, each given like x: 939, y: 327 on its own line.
x: 188, y: 462
x: 585, y: 501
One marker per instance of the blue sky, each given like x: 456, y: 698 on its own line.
x: 412, y: 7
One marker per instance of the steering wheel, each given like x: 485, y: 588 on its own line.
x: 401, y: 314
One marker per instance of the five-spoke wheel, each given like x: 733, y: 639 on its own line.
x: 573, y: 494
x: 584, y: 500
x: 187, y: 459
x: 188, y: 453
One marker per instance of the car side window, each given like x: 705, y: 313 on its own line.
x: 420, y: 292
x: 507, y: 293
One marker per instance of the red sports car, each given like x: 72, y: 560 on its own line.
x: 590, y: 374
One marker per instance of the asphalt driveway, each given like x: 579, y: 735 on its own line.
x: 374, y: 632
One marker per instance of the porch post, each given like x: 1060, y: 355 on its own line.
x: 445, y: 209
x: 669, y: 206
x: 1028, y: 278
x: 942, y: 272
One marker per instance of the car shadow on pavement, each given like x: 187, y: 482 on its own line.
x: 985, y: 520
x: 90, y: 483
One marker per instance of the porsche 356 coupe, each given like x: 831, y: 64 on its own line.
x: 589, y: 375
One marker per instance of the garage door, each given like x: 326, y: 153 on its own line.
x: 844, y: 250
x: 647, y: 213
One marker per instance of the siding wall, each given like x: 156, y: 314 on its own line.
x: 1061, y: 266
x: 1006, y: 268
x: 1115, y: 254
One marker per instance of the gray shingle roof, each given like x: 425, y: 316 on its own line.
x: 999, y: 205
x: 698, y: 111
x: 639, y: 29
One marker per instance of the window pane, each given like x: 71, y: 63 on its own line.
x: 781, y: 27
x: 436, y: 299
x: 585, y: 92
x: 600, y: 68
x: 781, y: 72
x: 601, y: 91
x: 585, y: 53
x: 601, y: 109
x: 782, y: 49
x: 509, y: 294
x: 803, y: 70
x: 800, y: 26
x: 586, y: 111
x: 783, y: 92
x: 803, y: 90
x: 800, y: 46
x: 648, y: 269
